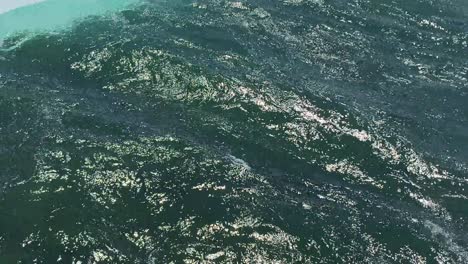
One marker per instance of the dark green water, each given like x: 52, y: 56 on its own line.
x: 279, y: 131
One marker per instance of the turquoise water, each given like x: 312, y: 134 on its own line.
x: 54, y: 15
x: 212, y: 131
x: 8, y: 5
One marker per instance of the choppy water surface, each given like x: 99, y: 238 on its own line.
x: 261, y: 131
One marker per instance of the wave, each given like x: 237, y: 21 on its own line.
x: 226, y: 132
x: 6, y: 6
x: 34, y: 16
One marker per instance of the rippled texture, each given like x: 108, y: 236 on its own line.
x: 279, y: 131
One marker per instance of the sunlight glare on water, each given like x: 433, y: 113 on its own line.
x: 234, y: 131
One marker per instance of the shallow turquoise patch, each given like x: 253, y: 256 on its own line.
x: 55, y: 14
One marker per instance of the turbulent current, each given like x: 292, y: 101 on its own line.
x: 250, y: 131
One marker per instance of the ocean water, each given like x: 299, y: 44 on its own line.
x: 215, y: 131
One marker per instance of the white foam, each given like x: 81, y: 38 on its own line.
x: 8, y: 5
x: 34, y: 16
